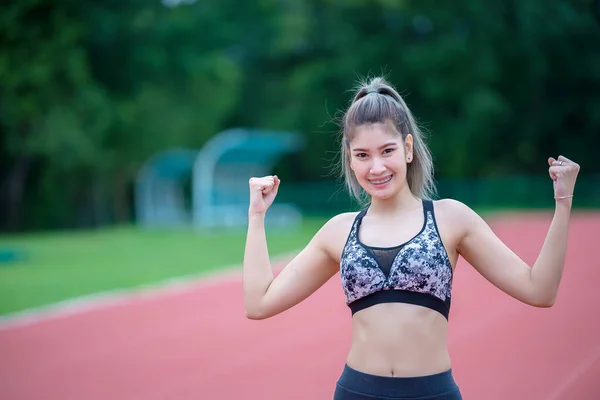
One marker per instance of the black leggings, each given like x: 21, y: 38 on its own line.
x: 356, y: 385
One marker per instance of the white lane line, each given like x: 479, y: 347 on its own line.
x: 561, y: 391
x: 117, y: 297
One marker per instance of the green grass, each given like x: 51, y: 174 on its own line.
x: 58, y: 266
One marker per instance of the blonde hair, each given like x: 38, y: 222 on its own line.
x: 376, y: 101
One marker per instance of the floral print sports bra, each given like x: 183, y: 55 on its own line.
x: 417, y: 272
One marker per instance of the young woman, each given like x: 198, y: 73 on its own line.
x: 396, y: 257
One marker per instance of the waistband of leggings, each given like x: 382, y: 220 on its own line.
x: 375, y: 385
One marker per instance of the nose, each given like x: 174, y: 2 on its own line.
x: 377, y: 167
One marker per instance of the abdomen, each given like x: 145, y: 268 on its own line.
x: 394, y: 339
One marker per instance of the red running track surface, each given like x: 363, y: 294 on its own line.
x: 198, y: 345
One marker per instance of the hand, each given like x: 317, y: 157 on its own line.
x: 564, y: 174
x: 262, y: 193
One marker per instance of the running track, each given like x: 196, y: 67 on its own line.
x: 196, y: 344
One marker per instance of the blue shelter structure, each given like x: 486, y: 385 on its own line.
x: 217, y: 176
x: 160, y: 195
x: 223, y: 168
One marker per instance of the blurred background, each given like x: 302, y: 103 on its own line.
x: 125, y: 123
x: 115, y: 116
x: 90, y: 91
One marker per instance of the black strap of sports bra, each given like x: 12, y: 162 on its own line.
x: 427, y: 205
x: 362, y: 213
x: 358, y: 220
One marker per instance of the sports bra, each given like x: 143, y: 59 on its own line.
x: 417, y: 272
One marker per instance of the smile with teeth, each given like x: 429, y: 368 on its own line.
x: 381, y: 181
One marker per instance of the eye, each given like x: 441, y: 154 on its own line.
x: 389, y: 150
x: 361, y: 155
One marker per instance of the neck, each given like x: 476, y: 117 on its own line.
x: 403, y: 201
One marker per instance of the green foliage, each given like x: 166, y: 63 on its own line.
x: 90, y: 90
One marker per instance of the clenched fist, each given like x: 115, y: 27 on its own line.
x: 262, y: 193
x: 564, y: 174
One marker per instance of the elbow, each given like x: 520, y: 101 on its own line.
x: 544, y: 302
x: 255, y: 313
x: 548, y: 303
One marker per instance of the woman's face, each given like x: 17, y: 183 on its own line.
x: 379, y: 158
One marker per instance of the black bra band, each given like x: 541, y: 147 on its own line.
x: 401, y: 296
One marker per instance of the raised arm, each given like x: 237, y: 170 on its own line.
x: 537, y: 285
x: 265, y: 295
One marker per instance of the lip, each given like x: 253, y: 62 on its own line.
x: 381, y: 181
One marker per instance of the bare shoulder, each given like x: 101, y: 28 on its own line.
x: 451, y: 208
x: 338, y: 225
x: 333, y: 234
x: 454, y: 218
x: 340, y: 221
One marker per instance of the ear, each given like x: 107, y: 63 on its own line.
x: 408, y: 148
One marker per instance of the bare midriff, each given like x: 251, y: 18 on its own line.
x: 394, y: 339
